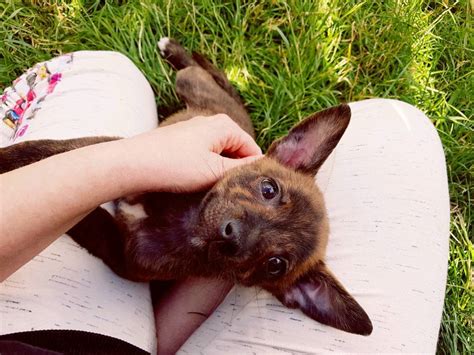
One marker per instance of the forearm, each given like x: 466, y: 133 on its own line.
x: 39, y: 202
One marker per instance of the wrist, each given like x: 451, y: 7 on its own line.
x: 130, y: 168
x: 114, y: 166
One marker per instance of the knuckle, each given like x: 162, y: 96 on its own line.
x: 224, y: 118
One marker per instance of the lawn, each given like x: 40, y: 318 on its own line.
x: 289, y: 59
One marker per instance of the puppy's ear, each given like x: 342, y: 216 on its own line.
x: 310, y: 142
x: 320, y: 296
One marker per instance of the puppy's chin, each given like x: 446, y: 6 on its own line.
x: 211, y: 246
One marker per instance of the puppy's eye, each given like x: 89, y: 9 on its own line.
x: 277, y: 266
x: 269, y: 188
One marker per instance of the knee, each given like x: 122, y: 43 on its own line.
x: 391, y: 115
x: 115, y: 65
x: 114, y: 59
x: 401, y: 109
x: 112, y: 83
x: 120, y: 60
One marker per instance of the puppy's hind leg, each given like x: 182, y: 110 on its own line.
x: 219, y: 77
x: 194, y: 84
x: 179, y: 58
x: 203, y: 88
x: 203, y: 94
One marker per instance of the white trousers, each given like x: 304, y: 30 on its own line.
x: 386, y: 192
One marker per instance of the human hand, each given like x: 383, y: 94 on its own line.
x: 186, y: 156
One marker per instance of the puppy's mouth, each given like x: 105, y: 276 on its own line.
x: 222, y: 249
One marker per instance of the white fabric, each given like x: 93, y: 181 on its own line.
x: 386, y: 192
x: 100, y: 93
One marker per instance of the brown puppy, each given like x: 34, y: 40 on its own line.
x: 263, y: 224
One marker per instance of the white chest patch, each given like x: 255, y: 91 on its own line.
x: 109, y: 207
x: 132, y: 213
x: 197, y: 242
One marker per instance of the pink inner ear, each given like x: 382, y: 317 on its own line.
x: 301, y: 149
x: 307, y: 294
x: 310, y: 142
x: 289, y: 154
x: 319, y: 295
x: 294, y: 298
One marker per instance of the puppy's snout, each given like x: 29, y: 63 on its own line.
x: 231, y: 233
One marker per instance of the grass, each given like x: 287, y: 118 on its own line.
x: 289, y: 59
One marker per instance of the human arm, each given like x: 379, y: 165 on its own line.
x: 184, y: 307
x: 41, y: 201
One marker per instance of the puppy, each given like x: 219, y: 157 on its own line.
x: 263, y: 224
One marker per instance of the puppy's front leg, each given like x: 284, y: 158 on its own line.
x: 17, y: 155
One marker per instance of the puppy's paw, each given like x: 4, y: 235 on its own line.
x: 174, y: 53
x: 162, y: 44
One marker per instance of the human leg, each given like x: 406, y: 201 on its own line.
x: 83, y: 94
x: 86, y: 93
x: 386, y: 193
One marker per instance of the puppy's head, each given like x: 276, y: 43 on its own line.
x: 265, y: 224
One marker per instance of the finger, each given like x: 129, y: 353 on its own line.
x: 228, y: 163
x: 231, y: 138
x: 243, y: 146
x: 238, y: 142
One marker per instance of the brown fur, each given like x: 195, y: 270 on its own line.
x: 232, y: 231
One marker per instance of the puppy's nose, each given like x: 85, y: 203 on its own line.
x: 231, y: 230
x: 231, y: 233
